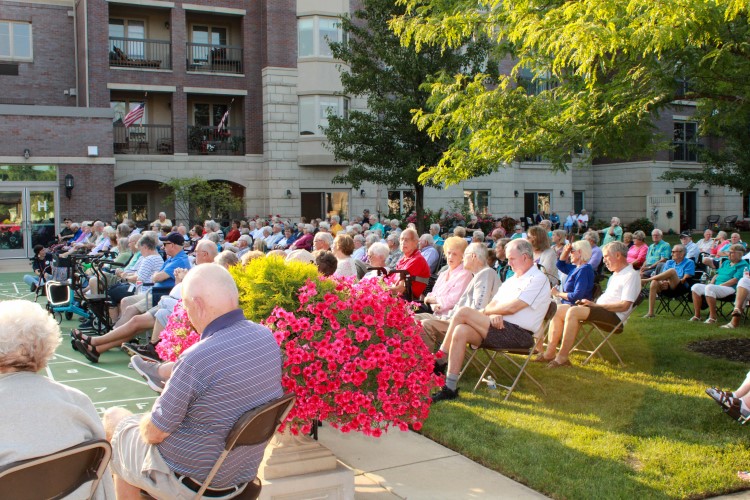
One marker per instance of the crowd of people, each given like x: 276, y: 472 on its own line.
x: 471, y: 288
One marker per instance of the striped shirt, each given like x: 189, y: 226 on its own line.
x: 235, y: 367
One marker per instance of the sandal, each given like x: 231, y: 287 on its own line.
x: 721, y: 397
x: 710, y: 321
x: 539, y: 358
x: 695, y: 318
x: 734, y: 408
x: 556, y: 364
x: 728, y: 326
x: 736, y: 313
x: 77, y: 335
x: 91, y: 354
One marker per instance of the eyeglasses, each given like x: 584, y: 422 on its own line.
x: 676, y: 251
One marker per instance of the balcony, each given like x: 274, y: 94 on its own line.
x: 140, y: 53
x: 209, y: 58
x: 143, y: 139
x: 208, y: 141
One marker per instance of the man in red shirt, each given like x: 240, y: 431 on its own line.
x: 413, y: 262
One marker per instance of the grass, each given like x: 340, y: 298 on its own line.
x: 643, y: 431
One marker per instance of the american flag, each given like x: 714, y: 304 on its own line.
x: 135, y: 114
x: 223, y: 122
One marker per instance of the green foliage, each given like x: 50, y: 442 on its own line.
x: 381, y: 144
x: 268, y: 282
x: 197, y: 199
x: 643, y: 224
x: 590, y: 74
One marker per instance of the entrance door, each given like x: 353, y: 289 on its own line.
x: 27, y: 218
x: 687, y: 210
x: 535, y: 203
x: 319, y: 205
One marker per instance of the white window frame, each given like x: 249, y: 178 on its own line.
x: 13, y: 57
x: 401, y: 192
x: 343, y: 103
x: 684, y: 144
x: 316, y: 36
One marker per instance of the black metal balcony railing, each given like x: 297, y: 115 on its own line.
x: 139, y: 53
x: 143, y: 139
x: 209, y: 141
x: 209, y: 58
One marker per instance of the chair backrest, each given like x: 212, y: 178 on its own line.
x: 58, y: 474
x: 58, y: 294
x: 256, y: 426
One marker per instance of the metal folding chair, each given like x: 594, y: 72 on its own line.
x: 495, y: 355
x: 254, y: 427
x: 58, y: 474
x: 589, y: 328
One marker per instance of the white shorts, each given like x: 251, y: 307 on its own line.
x: 715, y: 291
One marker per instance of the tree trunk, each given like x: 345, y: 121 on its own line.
x: 419, y: 195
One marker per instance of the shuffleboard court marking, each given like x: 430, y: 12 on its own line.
x: 84, y: 379
x: 49, y: 373
x: 89, y: 365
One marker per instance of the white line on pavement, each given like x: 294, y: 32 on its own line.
x: 102, y: 369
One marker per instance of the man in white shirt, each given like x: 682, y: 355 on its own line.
x: 613, y: 306
x: 691, y: 249
x: 510, y: 320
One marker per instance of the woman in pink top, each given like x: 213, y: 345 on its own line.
x: 637, y: 253
x: 452, y: 282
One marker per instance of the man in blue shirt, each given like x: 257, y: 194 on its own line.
x: 176, y: 258
x: 673, y: 279
x: 658, y: 252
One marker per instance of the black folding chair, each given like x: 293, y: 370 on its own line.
x: 58, y: 474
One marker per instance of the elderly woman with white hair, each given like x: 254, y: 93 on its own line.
x: 578, y: 286
x: 39, y: 415
x: 377, y: 255
x: 613, y: 232
x: 450, y: 283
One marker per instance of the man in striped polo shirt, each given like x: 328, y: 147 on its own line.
x: 235, y: 367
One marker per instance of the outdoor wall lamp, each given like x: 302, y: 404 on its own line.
x: 705, y: 192
x: 166, y: 24
x: 362, y: 193
x: 69, y: 185
x: 26, y: 153
x: 515, y: 193
x: 288, y: 193
x: 669, y: 192
x: 562, y: 194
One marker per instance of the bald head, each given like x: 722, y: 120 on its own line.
x: 208, y: 292
x: 205, y: 252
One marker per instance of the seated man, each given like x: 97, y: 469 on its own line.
x: 691, y: 249
x: 236, y: 366
x: 477, y: 294
x: 674, y: 277
x: 413, y: 262
x: 610, y: 308
x: 509, y: 321
x: 428, y: 251
x: 658, y: 253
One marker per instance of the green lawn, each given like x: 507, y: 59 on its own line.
x: 643, y: 431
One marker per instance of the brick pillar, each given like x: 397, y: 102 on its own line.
x: 180, y: 112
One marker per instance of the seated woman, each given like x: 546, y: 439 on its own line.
x: 558, y: 241
x: 578, y: 286
x: 740, y: 301
x: 543, y: 254
x: 452, y: 282
x: 28, y: 339
x: 672, y: 280
x: 343, y: 247
x: 627, y: 238
x: 377, y: 254
x: 722, y: 285
x: 637, y: 253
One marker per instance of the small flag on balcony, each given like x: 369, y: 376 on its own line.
x: 223, y: 122
x: 135, y: 114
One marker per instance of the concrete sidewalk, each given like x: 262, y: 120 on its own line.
x: 408, y: 465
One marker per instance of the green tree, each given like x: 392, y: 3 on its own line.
x: 197, y: 199
x: 381, y: 144
x: 603, y: 71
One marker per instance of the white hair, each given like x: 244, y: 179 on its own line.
x: 324, y: 226
x: 324, y: 237
x: 427, y: 237
x: 379, y: 249
x: 28, y: 336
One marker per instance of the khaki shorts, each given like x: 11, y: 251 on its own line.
x: 139, y: 301
x: 141, y: 465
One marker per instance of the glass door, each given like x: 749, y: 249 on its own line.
x: 27, y: 218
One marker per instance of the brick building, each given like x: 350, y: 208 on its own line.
x: 71, y: 71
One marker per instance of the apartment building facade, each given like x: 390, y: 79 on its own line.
x: 234, y: 91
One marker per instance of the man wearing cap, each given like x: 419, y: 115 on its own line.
x: 164, y: 278
x: 691, y: 248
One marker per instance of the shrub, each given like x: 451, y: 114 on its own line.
x: 643, y: 224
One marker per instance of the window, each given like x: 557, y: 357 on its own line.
x: 122, y: 108
x: 314, y: 34
x: 579, y: 201
x: 131, y: 206
x: 314, y: 111
x: 535, y: 84
x: 209, y: 115
x: 535, y: 203
x: 204, y: 39
x: 401, y: 201
x: 685, y: 144
x: 126, y: 34
x: 15, y: 41
x: 478, y: 202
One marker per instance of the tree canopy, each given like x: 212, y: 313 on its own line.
x: 381, y: 144
x: 602, y: 70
